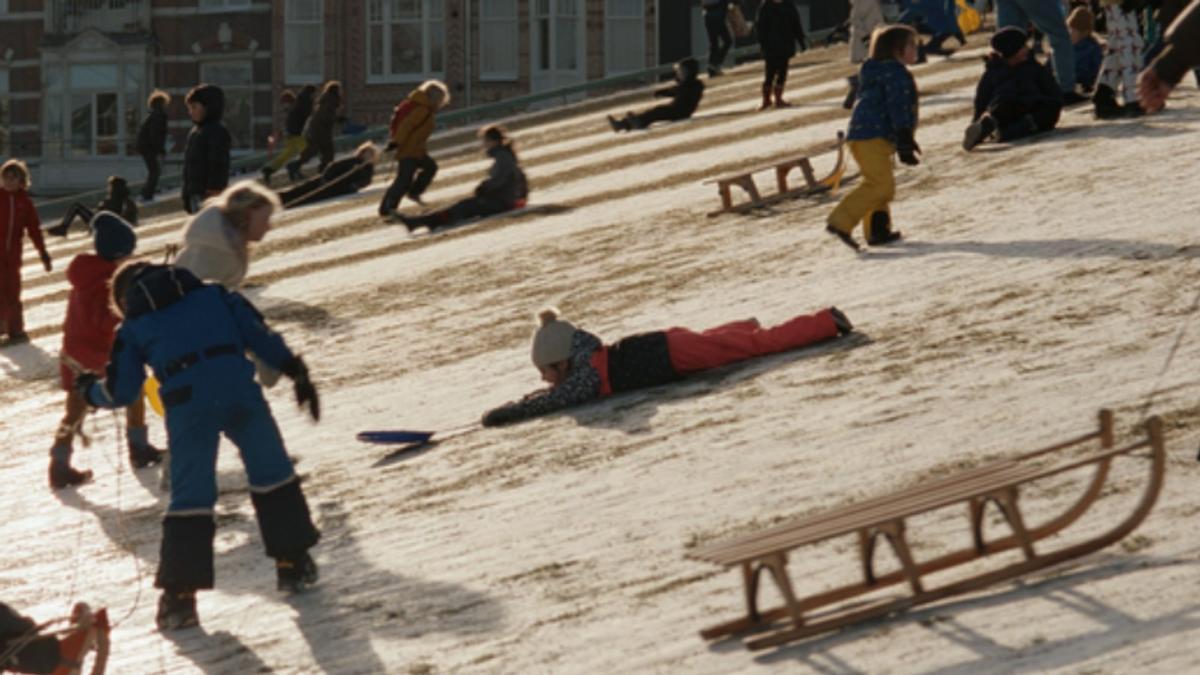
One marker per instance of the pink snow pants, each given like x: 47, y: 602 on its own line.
x: 741, y: 340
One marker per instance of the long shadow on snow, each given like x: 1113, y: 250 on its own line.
x: 1041, y: 249
x: 1117, y: 629
x: 354, y: 600
x: 632, y: 412
x: 27, y: 362
x: 219, y: 653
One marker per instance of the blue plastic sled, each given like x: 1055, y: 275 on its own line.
x: 395, y: 437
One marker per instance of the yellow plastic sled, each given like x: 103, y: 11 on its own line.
x: 150, y: 391
x: 968, y: 18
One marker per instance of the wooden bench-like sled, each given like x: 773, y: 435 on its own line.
x: 782, y: 167
x: 998, y: 483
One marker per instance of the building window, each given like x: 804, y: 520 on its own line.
x: 236, y: 79
x: 624, y: 36
x: 221, y: 5
x: 405, y: 40
x: 498, y: 40
x: 5, y: 114
x: 303, y: 41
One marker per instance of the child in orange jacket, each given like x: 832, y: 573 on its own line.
x: 17, y: 215
x: 412, y: 123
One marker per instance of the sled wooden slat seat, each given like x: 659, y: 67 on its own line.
x: 782, y: 167
x: 998, y: 483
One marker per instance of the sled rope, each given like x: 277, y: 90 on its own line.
x: 126, y: 541
x: 1179, y: 334
x: 320, y: 187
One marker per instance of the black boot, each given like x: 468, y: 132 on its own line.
x: 176, y: 610
x: 845, y: 238
x: 766, y: 97
x: 880, y: 233
x: 615, y: 123
x: 1133, y: 109
x: 141, y: 453
x: 841, y: 321
x: 296, y: 573
x: 1105, y: 102
x: 63, y: 475
x: 852, y: 94
x: 978, y: 131
x: 62, y: 228
x: 266, y: 175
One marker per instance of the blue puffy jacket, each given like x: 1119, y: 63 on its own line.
x: 887, y: 101
x: 174, y: 322
x: 1089, y: 56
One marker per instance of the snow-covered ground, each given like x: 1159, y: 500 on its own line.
x: 1038, y: 283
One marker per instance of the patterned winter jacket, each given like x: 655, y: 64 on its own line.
x: 887, y: 102
x: 596, y: 370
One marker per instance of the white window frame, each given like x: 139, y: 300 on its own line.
x: 609, y: 19
x: 427, y: 32
x: 215, y: 6
x: 496, y: 22
x: 289, y: 20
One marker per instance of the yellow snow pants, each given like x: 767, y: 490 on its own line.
x: 876, y: 190
x: 292, y: 147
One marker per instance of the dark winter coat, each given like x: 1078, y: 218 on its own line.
x: 716, y: 8
x: 685, y: 96
x: 119, y: 202
x: 1028, y: 83
x: 41, y: 655
x: 152, y: 135
x: 937, y: 17
x: 206, y: 157
x: 505, y: 185
x: 322, y: 122
x: 1089, y: 55
x: 635, y: 362
x: 343, y: 177
x: 886, y: 104
x: 1182, y: 51
x: 779, y: 29
x: 298, y: 116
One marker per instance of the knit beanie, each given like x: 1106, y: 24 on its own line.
x: 1008, y: 41
x: 552, y: 339
x: 112, y: 236
x: 1082, y: 20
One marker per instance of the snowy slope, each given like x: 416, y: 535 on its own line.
x: 1038, y: 284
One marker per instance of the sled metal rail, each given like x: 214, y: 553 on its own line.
x: 998, y: 483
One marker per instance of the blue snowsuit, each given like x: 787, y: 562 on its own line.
x: 194, y: 336
x: 936, y: 17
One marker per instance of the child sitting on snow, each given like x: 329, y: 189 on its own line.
x: 504, y: 190
x: 579, y: 368
x: 88, y: 334
x: 1089, y: 53
x: 194, y: 336
x: 343, y: 177
x: 881, y: 125
x: 1017, y: 96
x: 685, y: 97
x: 117, y: 200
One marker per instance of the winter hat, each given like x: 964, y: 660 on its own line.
x: 1008, y: 41
x: 1082, y: 20
x: 113, y: 237
x: 690, y: 67
x: 552, y: 339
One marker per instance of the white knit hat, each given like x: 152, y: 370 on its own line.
x: 552, y: 339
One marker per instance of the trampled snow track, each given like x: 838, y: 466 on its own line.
x: 1039, y: 283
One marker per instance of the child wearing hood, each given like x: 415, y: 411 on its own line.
x: 116, y: 200
x: 1017, y: 97
x: 18, y: 218
x: 298, y: 108
x: 579, y: 368
x: 152, y: 140
x: 881, y: 125
x: 504, y: 189
x: 206, y: 156
x: 685, y: 97
x: 88, y: 333
x: 413, y: 121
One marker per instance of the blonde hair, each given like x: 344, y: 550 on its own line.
x: 367, y: 146
x: 437, y: 92
x: 158, y: 96
x: 238, y: 199
x: 18, y: 167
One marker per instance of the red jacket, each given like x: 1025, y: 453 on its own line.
x: 91, y: 326
x: 18, y: 213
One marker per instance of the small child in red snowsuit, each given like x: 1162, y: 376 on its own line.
x: 17, y: 215
x: 88, y: 334
x: 579, y: 368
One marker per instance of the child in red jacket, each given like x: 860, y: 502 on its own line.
x: 17, y: 214
x: 88, y: 335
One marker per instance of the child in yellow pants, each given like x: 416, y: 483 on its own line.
x: 298, y: 108
x: 881, y: 125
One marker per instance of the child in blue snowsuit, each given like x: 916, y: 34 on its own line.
x: 938, y: 18
x: 195, y: 336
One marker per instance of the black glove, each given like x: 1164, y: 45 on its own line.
x: 907, y: 148
x: 306, y: 393
x: 84, y: 382
x: 46, y: 263
x: 390, y: 146
x: 803, y: 44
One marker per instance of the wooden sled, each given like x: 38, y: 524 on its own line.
x: 997, y: 483
x: 782, y: 167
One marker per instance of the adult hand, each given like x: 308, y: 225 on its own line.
x: 1152, y: 91
x: 46, y: 262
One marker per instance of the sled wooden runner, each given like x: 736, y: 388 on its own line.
x: 997, y: 483
x: 783, y: 167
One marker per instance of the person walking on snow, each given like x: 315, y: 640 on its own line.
x: 685, y: 97
x: 194, y: 336
x: 779, y: 32
x: 298, y: 108
x: 720, y: 39
x: 1017, y: 97
x: 881, y: 125
x: 1122, y: 63
x: 88, y: 333
x: 18, y: 218
x: 319, y: 130
x: 1049, y: 17
x: 152, y: 140
x: 206, y: 156
x: 865, y: 17
x: 579, y: 368
x: 413, y: 121
x: 504, y: 189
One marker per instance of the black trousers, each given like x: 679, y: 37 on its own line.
x: 322, y: 146
x: 1018, y: 119
x: 472, y: 207
x: 413, y: 177
x: 719, y: 37
x: 776, y: 67
x: 153, y: 172
x: 662, y: 113
x: 76, y: 210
